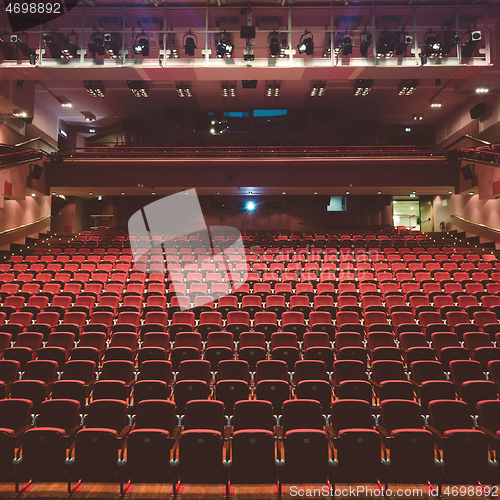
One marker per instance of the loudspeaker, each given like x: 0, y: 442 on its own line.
x: 247, y: 32
x: 249, y: 84
x: 477, y: 110
x: 468, y: 172
x: 35, y: 172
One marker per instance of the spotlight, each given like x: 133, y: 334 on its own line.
x: 451, y: 41
x: 250, y: 206
x: 432, y: 44
x: 224, y: 47
x: 89, y: 116
x: 274, y: 44
x: 365, y: 43
x: 141, y: 44
x: 470, y: 45
x: 318, y: 89
x: 96, y: 44
x: 8, y: 51
x: 189, y: 42
x: 51, y: 42
x: 184, y: 90
x: 402, y: 40
x: 344, y: 43
x: 112, y: 44
x: 306, y: 44
x: 95, y: 88
x: 407, y: 87
x: 362, y: 87
x: 482, y: 90
x: 19, y: 113
x: 138, y: 88
x: 436, y: 104
x: 69, y: 48
x: 23, y: 47
x: 386, y: 44
x: 418, y: 117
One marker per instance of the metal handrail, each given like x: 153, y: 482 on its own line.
x: 22, y: 144
x: 24, y: 225
x: 494, y: 229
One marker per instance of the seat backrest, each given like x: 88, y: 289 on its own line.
x: 349, y: 414
x: 107, y: 414
x: 400, y: 414
x: 204, y: 414
x: 271, y: 370
x: 15, y: 413
x: 59, y: 413
x: 449, y: 414
x: 253, y: 414
x: 301, y: 414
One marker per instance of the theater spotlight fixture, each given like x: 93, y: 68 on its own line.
x: 52, y: 43
x: 451, y: 41
x: 432, y: 44
x: 189, y: 42
x: 402, y: 39
x: 23, y: 47
x: 469, y: 46
x: 141, y: 44
x: 96, y: 44
x: 250, y: 206
x: 69, y: 48
x: 386, y: 45
x: 306, y: 43
x: 344, y: 43
x: 364, y: 44
x: 274, y: 44
x: 8, y: 51
x: 112, y: 44
x: 224, y: 47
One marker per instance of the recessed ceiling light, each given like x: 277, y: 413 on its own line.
x: 153, y: 192
x: 33, y: 194
x: 53, y: 192
x: 450, y: 192
x: 315, y: 192
x: 123, y: 192
x: 347, y: 192
x: 218, y: 192
x: 90, y: 192
x: 471, y: 193
x: 283, y: 192
x: 413, y: 192
x: 379, y: 192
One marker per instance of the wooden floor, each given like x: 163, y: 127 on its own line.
x: 211, y: 492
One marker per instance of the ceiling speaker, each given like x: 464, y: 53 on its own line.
x: 36, y: 172
x: 468, y: 172
x: 477, y: 110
